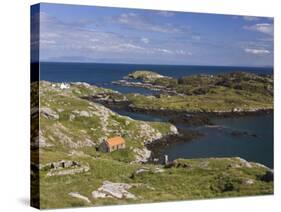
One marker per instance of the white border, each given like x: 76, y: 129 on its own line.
x: 14, y: 131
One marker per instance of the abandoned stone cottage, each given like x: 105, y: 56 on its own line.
x: 112, y: 144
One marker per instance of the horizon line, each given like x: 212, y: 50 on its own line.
x: 123, y: 63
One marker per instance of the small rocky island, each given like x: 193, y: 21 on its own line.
x: 76, y: 118
x: 235, y: 92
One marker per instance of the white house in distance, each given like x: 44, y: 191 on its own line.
x: 64, y: 86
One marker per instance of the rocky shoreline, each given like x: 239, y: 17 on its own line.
x: 188, y: 117
x: 158, y: 146
x: 146, y: 85
x: 195, y: 119
x: 233, y: 113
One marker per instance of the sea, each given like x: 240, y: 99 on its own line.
x: 103, y: 74
x: 216, y: 141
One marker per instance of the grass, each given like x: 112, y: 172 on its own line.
x: 187, y: 179
x: 196, y: 182
x: 209, y: 93
x: 220, y: 99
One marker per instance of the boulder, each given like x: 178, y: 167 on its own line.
x: 79, y: 196
x: 142, y: 155
x: 173, y: 130
x: 49, y: 113
x: 84, y: 114
x: 113, y: 190
x: 141, y: 170
x: 98, y: 194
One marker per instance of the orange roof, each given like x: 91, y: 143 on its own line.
x: 115, y: 141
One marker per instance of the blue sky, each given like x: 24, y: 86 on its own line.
x: 118, y: 35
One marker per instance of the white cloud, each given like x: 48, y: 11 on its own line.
x: 131, y: 46
x: 136, y: 21
x: 257, y: 51
x: 165, y: 51
x: 145, y: 40
x: 170, y: 52
x: 182, y: 52
x: 66, y: 41
x: 265, y: 28
x: 251, y: 18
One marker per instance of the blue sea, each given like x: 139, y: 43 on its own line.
x: 103, y: 74
x: 216, y: 142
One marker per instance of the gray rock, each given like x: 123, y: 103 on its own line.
x: 141, y: 170
x: 173, y: 130
x: 39, y: 141
x: 49, y: 113
x: 98, y: 194
x: 142, y: 155
x: 249, y: 182
x: 72, y: 171
x: 67, y: 164
x: 244, y: 163
x: 113, y: 190
x: 79, y: 196
x: 56, y: 165
x: 84, y: 113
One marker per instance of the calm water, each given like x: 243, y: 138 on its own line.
x: 216, y: 142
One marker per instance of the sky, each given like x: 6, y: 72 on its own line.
x: 71, y: 33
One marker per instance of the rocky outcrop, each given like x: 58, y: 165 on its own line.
x: 78, y: 122
x: 113, y: 190
x: 229, y: 163
x: 173, y: 130
x: 142, y: 155
x: 145, y: 75
x: 49, y: 113
x: 148, y: 133
x: 241, y: 163
x: 84, y: 114
x: 64, y: 136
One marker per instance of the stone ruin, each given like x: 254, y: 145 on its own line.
x: 64, y: 167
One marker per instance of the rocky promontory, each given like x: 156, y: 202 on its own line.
x: 236, y: 92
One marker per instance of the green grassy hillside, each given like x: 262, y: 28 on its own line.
x: 74, y: 173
